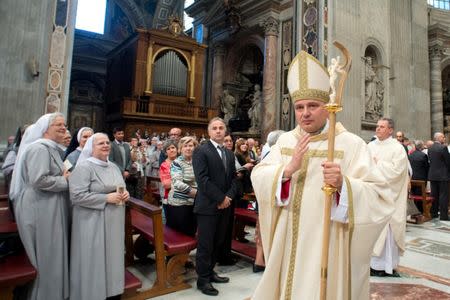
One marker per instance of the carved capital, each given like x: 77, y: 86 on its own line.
x: 270, y: 26
x: 435, y: 51
x: 219, y: 49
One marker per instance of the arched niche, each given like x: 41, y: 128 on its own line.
x: 243, y: 71
x: 374, y: 81
x: 235, y: 55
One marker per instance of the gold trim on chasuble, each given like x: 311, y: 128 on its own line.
x: 277, y: 208
x: 351, y: 226
x: 298, y: 194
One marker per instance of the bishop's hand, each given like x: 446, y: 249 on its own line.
x: 332, y: 174
x: 297, y: 157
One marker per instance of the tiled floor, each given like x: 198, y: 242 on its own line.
x: 424, y: 270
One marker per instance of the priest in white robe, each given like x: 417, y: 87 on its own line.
x: 288, y: 184
x: 392, y: 161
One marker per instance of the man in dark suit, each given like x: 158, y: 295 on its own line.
x: 420, y: 166
x: 438, y: 176
x: 215, y: 173
x: 120, y: 152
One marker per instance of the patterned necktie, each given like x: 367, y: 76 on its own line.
x: 224, y: 158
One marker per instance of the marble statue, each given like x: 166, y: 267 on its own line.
x: 254, y: 113
x: 228, y: 106
x: 374, y: 92
x: 334, y: 70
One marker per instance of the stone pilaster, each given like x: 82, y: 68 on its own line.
x: 269, y: 107
x: 437, y: 115
x: 217, y: 76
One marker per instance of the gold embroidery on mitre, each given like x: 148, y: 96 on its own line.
x: 304, y: 92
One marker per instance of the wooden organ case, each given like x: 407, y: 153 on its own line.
x: 155, y: 81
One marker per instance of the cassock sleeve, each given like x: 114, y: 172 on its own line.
x: 369, y: 191
x: 393, y: 169
x: 266, y: 181
x: 39, y: 161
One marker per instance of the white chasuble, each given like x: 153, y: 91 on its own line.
x: 292, y: 234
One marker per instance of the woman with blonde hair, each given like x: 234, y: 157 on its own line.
x: 179, y: 211
x: 241, y: 151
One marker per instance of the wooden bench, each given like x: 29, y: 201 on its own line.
x: 132, y: 283
x: 245, y: 216
x: 171, y: 247
x: 423, y: 197
x: 152, y: 195
x: 7, y: 224
x: 15, y: 270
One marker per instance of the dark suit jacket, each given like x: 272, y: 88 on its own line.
x: 419, y: 164
x: 439, y: 162
x: 252, y: 154
x: 116, y: 157
x: 212, y: 180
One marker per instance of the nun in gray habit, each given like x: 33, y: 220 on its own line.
x: 97, y: 192
x: 39, y: 193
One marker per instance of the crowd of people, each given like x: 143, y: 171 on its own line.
x: 68, y: 195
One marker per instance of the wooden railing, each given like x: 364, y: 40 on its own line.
x: 151, y: 108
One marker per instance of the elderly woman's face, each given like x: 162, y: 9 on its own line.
x: 187, y: 150
x: 171, y: 152
x: 84, y: 137
x: 101, y: 148
x: 57, y: 130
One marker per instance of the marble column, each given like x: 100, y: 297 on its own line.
x: 269, y: 107
x: 437, y: 115
x: 217, y: 76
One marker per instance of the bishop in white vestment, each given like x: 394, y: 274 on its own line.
x: 288, y: 184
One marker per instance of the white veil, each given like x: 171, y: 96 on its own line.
x: 86, y: 153
x: 80, y: 132
x: 32, y: 134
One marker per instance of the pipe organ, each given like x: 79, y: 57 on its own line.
x: 170, y: 75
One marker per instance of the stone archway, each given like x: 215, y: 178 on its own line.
x: 242, y: 73
x: 133, y: 12
x: 234, y: 56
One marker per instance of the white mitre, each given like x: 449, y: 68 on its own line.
x: 308, y: 79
